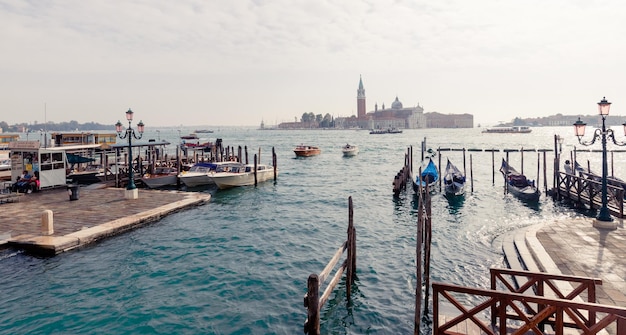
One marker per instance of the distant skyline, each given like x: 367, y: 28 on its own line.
x: 237, y: 63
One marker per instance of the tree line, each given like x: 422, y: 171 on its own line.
x: 51, y: 126
x: 326, y: 121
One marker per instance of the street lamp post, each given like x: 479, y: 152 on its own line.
x: 131, y: 189
x: 603, y: 219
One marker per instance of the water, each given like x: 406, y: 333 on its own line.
x: 239, y: 265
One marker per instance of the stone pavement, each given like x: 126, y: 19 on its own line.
x: 572, y: 246
x: 98, y: 213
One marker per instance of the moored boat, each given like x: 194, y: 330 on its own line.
x: 241, y: 175
x: 453, y: 181
x: 429, y: 176
x: 198, y: 174
x: 350, y: 150
x: 306, y: 150
x: 162, y: 176
x: 518, y: 185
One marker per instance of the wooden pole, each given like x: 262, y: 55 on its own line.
x: 274, y: 163
x: 439, y: 167
x: 464, y: 170
x: 246, y: 152
x: 411, y: 158
x: 506, y: 187
x: 179, y: 167
x: 493, y: 168
x: 522, y: 152
x: 538, y: 165
x: 418, y: 266
x: 471, y: 175
x: 255, y: 169
x: 429, y: 234
x: 311, y: 302
x: 545, y: 173
x: 351, y: 237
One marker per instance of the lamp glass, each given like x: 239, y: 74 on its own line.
x: 129, y: 115
x: 118, y: 127
x: 624, y: 125
x: 579, y: 128
x: 604, y: 107
x: 140, y: 127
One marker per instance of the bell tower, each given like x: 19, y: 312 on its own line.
x: 360, y: 100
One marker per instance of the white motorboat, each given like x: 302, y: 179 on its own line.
x: 162, y: 176
x: 242, y: 175
x: 198, y: 174
x: 350, y: 150
x: 5, y: 165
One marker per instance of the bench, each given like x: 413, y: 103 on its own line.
x: 10, y: 197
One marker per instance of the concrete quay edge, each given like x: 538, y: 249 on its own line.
x: 56, y: 244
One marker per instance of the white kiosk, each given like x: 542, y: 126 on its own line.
x: 49, y: 163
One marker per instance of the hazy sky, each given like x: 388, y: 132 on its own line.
x: 237, y: 62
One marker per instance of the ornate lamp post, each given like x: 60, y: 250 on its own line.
x: 131, y: 189
x: 604, y: 216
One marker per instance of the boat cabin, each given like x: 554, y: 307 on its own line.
x: 5, y: 139
x: 104, y: 139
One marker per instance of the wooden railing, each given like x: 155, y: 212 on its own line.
x: 509, y: 313
x: 545, y: 285
x: 585, y: 189
x: 312, y: 301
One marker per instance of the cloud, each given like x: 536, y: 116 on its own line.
x: 483, y: 57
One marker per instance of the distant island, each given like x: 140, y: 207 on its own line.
x: 51, y: 126
x: 559, y: 120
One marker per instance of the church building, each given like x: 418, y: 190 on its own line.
x: 397, y: 116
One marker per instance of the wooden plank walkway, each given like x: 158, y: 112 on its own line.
x: 97, y: 214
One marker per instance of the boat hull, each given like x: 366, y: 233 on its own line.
x: 527, y: 194
x: 159, y: 181
x: 194, y: 179
x: 350, y: 150
x: 306, y: 151
x: 454, y: 181
x: 229, y: 179
x: 517, y: 184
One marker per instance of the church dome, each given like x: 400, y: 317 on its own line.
x: 396, y: 104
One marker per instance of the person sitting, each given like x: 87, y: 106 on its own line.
x: 568, y: 167
x: 34, y: 183
x: 21, y: 185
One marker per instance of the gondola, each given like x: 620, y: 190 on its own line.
x: 453, y: 181
x: 429, y: 176
x: 518, y: 185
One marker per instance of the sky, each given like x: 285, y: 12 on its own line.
x: 240, y: 62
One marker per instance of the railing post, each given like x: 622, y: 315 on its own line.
x: 311, y: 302
x: 621, y: 325
x: 541, y: 293
x: 502, y: 315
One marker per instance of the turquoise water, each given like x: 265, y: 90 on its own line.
x: 239, y: 264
